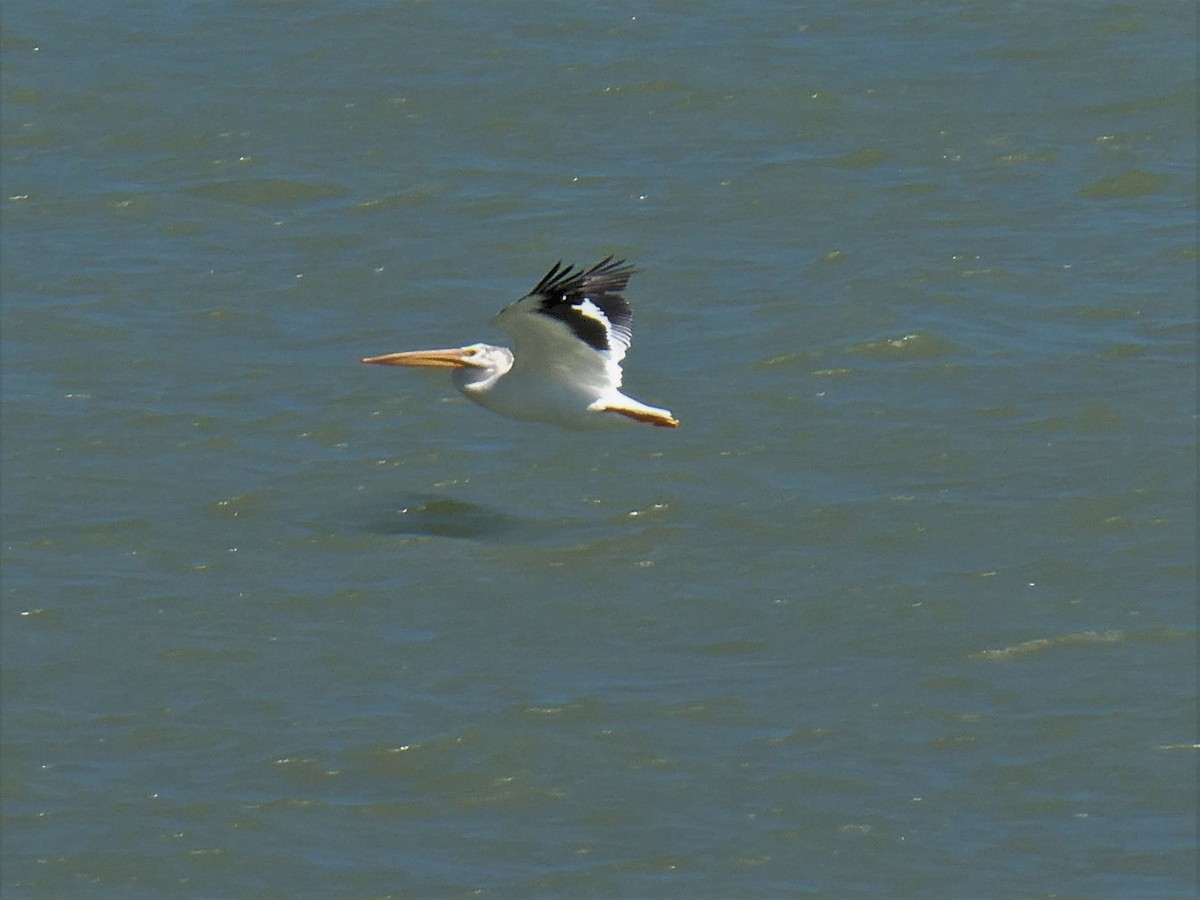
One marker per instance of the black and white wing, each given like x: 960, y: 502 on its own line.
x: 574, y: 321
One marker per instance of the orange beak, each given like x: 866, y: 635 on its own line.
x: 429, y: 359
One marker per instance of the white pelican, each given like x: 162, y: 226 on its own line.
x: 570, y: 334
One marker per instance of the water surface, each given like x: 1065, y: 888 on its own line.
x: 905, y: 608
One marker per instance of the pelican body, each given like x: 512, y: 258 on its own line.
x: 569, y: 334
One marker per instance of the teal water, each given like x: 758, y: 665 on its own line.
x: 906, y: 607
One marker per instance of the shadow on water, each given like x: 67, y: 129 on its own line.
x: 433, y: 516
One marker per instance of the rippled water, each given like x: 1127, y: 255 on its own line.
x: 907, y: 605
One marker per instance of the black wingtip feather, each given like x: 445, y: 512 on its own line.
x: 563, y: 290
x: 608, y: 275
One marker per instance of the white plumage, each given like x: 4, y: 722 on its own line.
x: 569, y: 334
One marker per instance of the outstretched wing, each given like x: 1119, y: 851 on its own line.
x: 574, y: 322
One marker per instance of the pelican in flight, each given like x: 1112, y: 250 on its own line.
x: 569, y: 334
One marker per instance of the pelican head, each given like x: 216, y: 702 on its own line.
x: 476, y: 366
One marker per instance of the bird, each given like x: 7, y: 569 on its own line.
x: 569, y: 334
